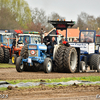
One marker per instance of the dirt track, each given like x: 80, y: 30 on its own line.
x: 45, y: 93
x: 11, y: 73
x: 75, y: 92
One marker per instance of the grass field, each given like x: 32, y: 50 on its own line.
x: 6, y: 65
x: 89, y: 78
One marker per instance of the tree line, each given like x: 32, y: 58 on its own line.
x: 16, y: 14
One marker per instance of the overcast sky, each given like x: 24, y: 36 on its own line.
x: 69, y: 9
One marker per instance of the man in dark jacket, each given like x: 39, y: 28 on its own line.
x: 51, y: 46
x: 46, y: 39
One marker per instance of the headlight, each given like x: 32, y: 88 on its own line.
x: 32, y: 52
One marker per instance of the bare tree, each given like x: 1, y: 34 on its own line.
x: 55, y: 16
x: 85, y: 20
x: 7, y: 20
x: 39, y: 16
x: 98, y: 21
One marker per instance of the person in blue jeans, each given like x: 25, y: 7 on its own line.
x: 51, y: 46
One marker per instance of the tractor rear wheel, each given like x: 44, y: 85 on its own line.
x: 24, y: 52
x: 59, y: 58
x: 19, y: 65
x: 70, y: 60
x: 1, y: 55
x: 95, y: 62
x: 47, y: 65
x: 66, y: 59
x: 6, y: 55
x: 13, y: 59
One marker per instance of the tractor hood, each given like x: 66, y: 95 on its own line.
x: 37, y: 47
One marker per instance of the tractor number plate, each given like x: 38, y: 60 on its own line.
x: 29, y: 60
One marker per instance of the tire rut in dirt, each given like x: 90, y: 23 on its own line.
x: 1, y: 55
x: 6, y: 55
x: 70, y: 60
x: 59, y: 59
x: 24, y: 52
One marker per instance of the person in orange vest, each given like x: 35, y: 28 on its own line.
x: 65, y: 42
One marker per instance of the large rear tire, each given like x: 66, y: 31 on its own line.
x: 1, y: 55
x: 6, y: 55
x: 47, y: 65
x: 95, y: 62
x: 24, y: 52
x: 59, y: 59
x: 19, y: 65
x: 66, y: 59
x: 70, y: 60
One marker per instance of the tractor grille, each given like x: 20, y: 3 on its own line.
x: 33, y: 55
x: 32, y: 47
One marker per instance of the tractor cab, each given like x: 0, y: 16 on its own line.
x: 86, y: 42
x: 8, y: 34
x: 29, y: 37
x: 87, y: 36
x: 4, y: 39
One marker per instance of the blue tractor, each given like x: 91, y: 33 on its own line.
x: 71, y: 59
x: 36, y: 56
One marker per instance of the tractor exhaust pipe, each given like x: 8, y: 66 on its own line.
x: 41, y: 35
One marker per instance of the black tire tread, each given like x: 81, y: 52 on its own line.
x: 1, y: 55
x: 94, y: 61
x: 6, y: 55
x: 18, y: 60
x: 62, y: 59
x: 45, y: 63
x: 24, y: 52
x: 59, y: 58
x: 67, y: 59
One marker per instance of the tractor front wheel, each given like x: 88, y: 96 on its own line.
x: 13, y: 59
x: 82, y: 66
x: 47, y: 65
x: 19, y: 65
